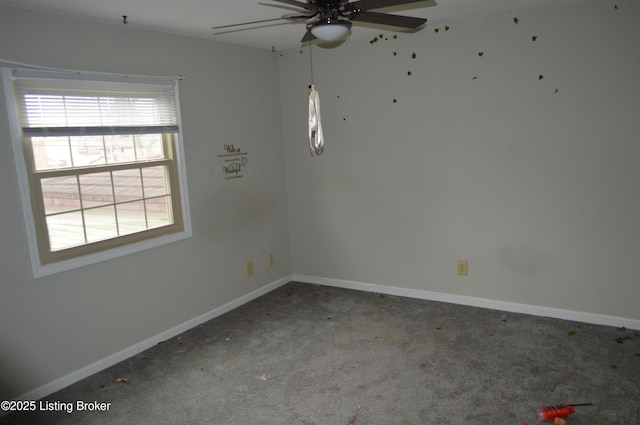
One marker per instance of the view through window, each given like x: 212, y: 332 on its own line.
x: 101, y: 159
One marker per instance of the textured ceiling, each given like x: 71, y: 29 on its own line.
x: 197, y: 17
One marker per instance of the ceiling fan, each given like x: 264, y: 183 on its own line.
x: 330, y: 20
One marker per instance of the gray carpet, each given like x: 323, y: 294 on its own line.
x: 310, y: 354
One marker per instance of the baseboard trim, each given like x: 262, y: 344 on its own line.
x: 113, y: 359
x: 534, y: 310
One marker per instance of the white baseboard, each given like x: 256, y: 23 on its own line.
x: 113, y: 359
x: 534, y: 310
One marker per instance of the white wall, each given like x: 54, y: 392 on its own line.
x: 54, y: 326
x: 533, y: 181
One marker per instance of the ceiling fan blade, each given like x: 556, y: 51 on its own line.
x: 282, y: 6
x: 387, y: 19
x: 247, y: 23
x: 378, y: 4
x: 291, y: 17
x: 296, y: 3
x: 308, y: 36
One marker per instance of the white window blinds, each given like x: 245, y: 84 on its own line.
x: 53, y: 104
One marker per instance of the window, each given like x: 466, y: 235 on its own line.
x: 101, y: 164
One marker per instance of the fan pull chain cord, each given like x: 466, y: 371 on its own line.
x: 311, y: 62
x: 316, y: 138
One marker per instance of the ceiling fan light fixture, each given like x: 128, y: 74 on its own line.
x: 330, y: 30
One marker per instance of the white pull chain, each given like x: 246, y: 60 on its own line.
x: 316, y: 138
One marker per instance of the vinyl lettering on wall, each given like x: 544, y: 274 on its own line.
x: 234, y: 160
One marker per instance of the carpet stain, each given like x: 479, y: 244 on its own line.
x: 392, y: 338
x: 445, y: 337
x: 348, y: 329
x: 425, y: 365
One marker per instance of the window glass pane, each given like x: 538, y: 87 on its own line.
x: 149, y: 146
x: 87, y: 150
x: 131, y: 217
x: 155, y: 181
x: 100, y: 223
x: 127, y: 185
x: 65, y: 230
x: 159, y: 211
x: 119, y: 149
x: 96, y: 189
x: 51, y: 152
x: 60, y: 194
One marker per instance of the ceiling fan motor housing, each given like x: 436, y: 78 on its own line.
x: 334, y: 17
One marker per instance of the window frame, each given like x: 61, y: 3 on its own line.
x: 46, y: 262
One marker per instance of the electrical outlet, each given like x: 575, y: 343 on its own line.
x: 463, y: 268
x: 272, y: 261
x: 249, y: 268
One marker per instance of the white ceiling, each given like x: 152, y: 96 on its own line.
x: 197, y: 17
